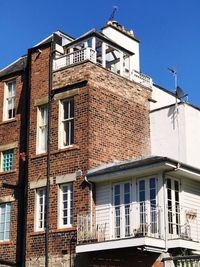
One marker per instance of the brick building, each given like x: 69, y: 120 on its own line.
x: 78, y: 157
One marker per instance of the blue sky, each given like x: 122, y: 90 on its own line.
x: 168, y: 31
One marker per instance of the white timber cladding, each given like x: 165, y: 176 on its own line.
x: 191, y: 198
x: 103, y: 206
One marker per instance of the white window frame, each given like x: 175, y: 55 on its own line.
x: 70, y: 205
x: 62, y: 122
x: 42, y: 128
x: 6, y: 220
x: 176, y: 217
x: 2, y: 159
x: 38, y: 211
x: 8, y: 98
x: 121, y: 209
x: 147, y: 202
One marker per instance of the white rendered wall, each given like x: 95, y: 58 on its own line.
x: 127, y: 43
x: 168, y: 133
x: 192, y: 121
x: 176, y: 134
x: 162, y: 98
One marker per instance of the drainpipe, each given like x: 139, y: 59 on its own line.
x: 48, y: 155
x: 91, y: 197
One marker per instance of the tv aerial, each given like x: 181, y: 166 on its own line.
x: 115, y: 8
x: 180, y: 94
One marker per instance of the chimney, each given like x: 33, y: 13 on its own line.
x: 124, y: 38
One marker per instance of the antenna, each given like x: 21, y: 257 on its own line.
x: 180, y: 93
x: 115, y: 8
x: 174, y: 73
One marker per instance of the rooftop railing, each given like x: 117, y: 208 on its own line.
x: 88, y: 53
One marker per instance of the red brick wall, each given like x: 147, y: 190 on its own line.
x: 111, y: 122
x: 13, y: 131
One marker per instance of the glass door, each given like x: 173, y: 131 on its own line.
x: 148, y: 209
x: 173, y: 188
x: 121, y: 201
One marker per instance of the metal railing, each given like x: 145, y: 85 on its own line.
x: 121, y: 221
x: 143, y: 219
x: 183, y: 223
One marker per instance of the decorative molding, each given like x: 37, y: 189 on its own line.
x: 40, y: 183
x: 7, y: 199
x: 66, y: 94
x: 41, y: 101
x: 9, y: 146
x: 66, y: 178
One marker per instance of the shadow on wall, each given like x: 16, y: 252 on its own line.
x: 129, y: 257
x: 173, y: 114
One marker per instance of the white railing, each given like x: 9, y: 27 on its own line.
x: 139, y: 220
x: 74, y: 57
x: 141, y: 78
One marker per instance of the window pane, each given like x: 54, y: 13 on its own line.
x: 66, y: 204
x: 142, y: 185
x: 7, y: 161
x: 10, y: 100
x: 68, y: 122
x: 42, y: 129
x: 66, y: 109
x: 5, y: 218
x: 41, y: 209
x: 71, y: 108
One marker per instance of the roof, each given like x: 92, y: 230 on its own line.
x: 94, y: 32
x: 49, y: 38
x: 146, y: 162
x: 18, y: 65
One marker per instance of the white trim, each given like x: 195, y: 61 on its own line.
x: 6, y: 97
x: 62, y: 121
x: 5, y: 220
x: 37, y: 209
x: 123, y: 243
x: 40, y: 124
x: 60, y: 204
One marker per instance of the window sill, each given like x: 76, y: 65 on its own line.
x: 60, y: 150
x: 7, y: 243
x: 59, y: 230
x: 8, y: 172
x: 39, y: 155
x: 69, y: 148
x: 8, y: 121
